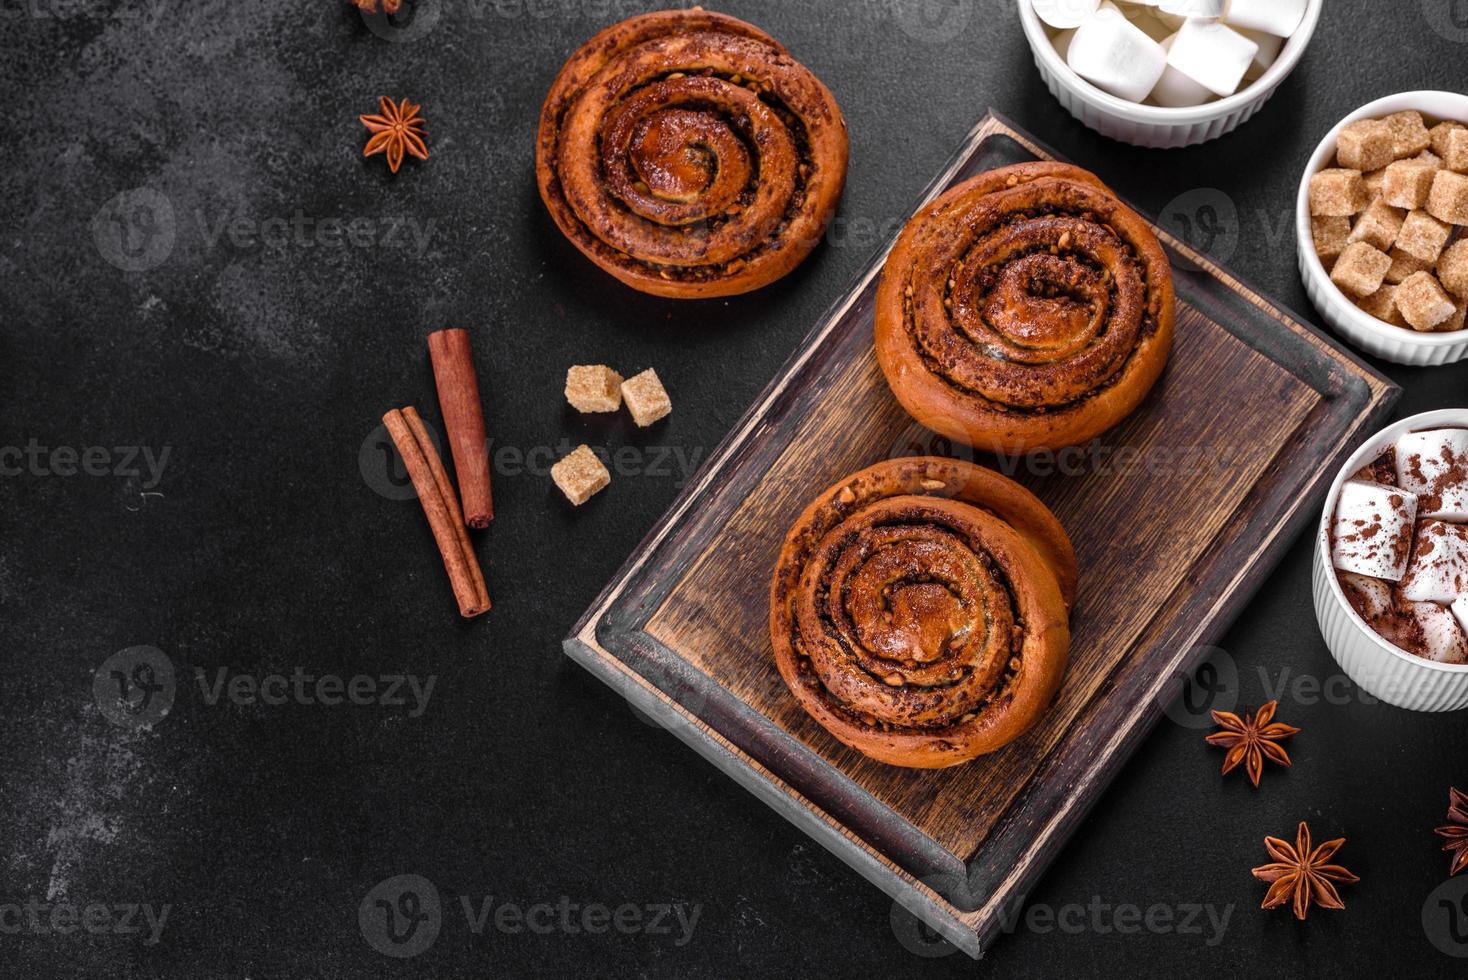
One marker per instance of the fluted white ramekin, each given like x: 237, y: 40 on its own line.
x: 1378, y: 667
x: 1156, y: 126
x: 1400, y: 344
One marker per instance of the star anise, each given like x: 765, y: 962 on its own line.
x: 1251, y: 740
x: 396, y: 129
x: 1300, y: 876
x: 388, y: 6
x: 1457, y: 829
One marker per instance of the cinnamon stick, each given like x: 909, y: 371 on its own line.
x: 436, y: 494
x: 463, y: 416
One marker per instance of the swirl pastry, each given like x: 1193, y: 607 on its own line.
x: 1025, y: 309
x: 920, y: 611
x: 686, y: 153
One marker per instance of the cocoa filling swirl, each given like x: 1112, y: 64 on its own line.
x: 1028, y: 297
x: 906, y: 616
x: 693, y: 154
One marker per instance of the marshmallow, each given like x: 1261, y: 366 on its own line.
x: 1212, y: 55
x: 1434, y: 466
x: 1439, y: 568
x: 1430, y: 631
x: 1269, y: 49
x: 1460, y: 611
x: 1278, y: 17
x: 1174, y: 89
x: 1373, y: 530
x: 1116, y: 56
x: 1065, y: 14
x: 1370, y: 597
x: 1192, y: 8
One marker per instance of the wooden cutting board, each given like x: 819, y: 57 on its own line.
x: 1177, y: 516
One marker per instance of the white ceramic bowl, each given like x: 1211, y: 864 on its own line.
x: 1378, y: 667
x: 1155, y: 126
x: 1399, y: 344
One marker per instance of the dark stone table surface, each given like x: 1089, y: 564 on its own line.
x: 208, y: 299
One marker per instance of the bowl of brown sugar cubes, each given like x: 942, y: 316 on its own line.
x: 1391, y: 564
x: 1166, y: 73
x: 1382, y: 225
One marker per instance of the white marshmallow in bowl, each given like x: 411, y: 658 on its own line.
x: 1116, y: 56
x: 1433, y: 633
x: 1438, y: 571
x: 1278, y: 17
x: 1373, y: 530
x: 1065, y: 14
x: 1370, y: 597
x: 1212, y: 55
x: 1434, y: 465
x: 1174, y: 89
x: 1269, y: 49
x: 1191, y: 8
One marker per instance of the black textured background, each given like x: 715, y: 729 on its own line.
x: 266, y: 548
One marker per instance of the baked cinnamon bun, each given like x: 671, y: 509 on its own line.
x: 1025, y: 309
x: 919, y: 611
x: 689, y: 155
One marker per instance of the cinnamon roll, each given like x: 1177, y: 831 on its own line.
x: 1025, y: 309
x: 689, y: 155
x: 919, y: 611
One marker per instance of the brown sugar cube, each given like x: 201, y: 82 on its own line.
x: 593, y: 388
x: 1373, y: 182
x: 1409, y: 134
x: 1422, y: 236
x: 1331, y: 235
x: 1457, y: 321
x: 1449, y: 198
x: 645, y: 397
x: 1423, y: 303
x: 1337, y: 193
x: 1456, y: 156
x: 1360, y: 270
x: 1407, y: 183
x: 1404, y: 265
x: 1440, y: 134
x: 1366, y: 145
x: 1427, y: 156
x: 580, y: 475
x: 1382, y: 304
x: 1378, y: 225
x: 1452, y: 269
